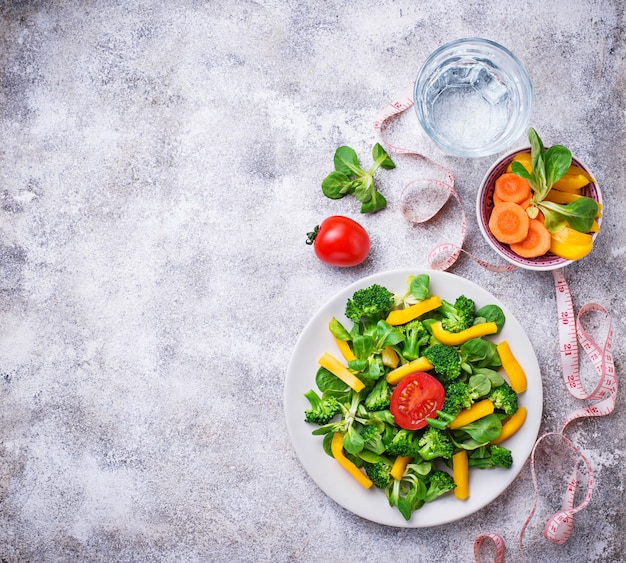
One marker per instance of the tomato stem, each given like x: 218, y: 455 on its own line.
x: 311, y: 236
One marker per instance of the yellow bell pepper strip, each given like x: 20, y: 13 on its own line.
x: 460, y: 474
x: 403, y: 316
x: 571, y: 244
x: 336, y: 447
x: 399, y: 466
x: 345, y: 350
x: 421, y: 364
x: 569, y: 251
x: 568, y: 235
x: 457, y: 338
x: 334, y: 366
x: 573, y: 170
x: 524, y: 159
x: 390, y: 357
x: 476, y: 411
x: 595, y: 228
x: 572, y: 183
x: 574, y: 180
x: 511, y: 425
x: 566, y: 197
x: 513, y: 369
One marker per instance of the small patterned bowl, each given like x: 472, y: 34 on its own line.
x: 484, y: 206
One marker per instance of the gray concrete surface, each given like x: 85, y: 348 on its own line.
x: 160, y: 167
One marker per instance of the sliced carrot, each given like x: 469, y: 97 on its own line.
x: 511, y: 187
x: 509, y: 222
x: 536, y: 243
x: 541, y: 218
x: 525, y: 204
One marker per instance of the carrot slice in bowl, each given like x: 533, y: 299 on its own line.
x: 537, y: 242
x: 511, y: 187
x: 525, y: 204
x: 509, y: 222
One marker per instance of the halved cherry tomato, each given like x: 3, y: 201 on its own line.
x: 340, y: 241
x: 416, y: 398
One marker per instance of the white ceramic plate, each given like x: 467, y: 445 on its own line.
x: 485, y: 485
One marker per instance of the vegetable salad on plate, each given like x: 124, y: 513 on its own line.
x: 419, y: 393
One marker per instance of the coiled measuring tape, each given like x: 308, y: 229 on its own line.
x: 559, y: 526
x: 571, y: 334
x: 444, y: 255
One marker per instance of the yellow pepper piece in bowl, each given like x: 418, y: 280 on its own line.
x: 573, y: 183
x: 567, y: 235
x: 524, y: 159
x: 574, y: 180
x: 571, y: 244
x: 567, y: 197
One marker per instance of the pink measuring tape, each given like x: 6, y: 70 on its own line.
x: 444, y: 255
x: 571, y: 334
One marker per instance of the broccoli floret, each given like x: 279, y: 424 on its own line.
x: 372, y: 438
x: 445, y: 360
x: 415, y: 337
x: 403, y: 443
x: 504, y: 398
x: 379, y: 473
x: 439, y: 483
x: 322, y: 410
x: 457, y: 398
x: 491, y: 456
x: 379, y: 397
x: 388, y: 433
x: 368, y: 432
x: 373, y: 303
x: 459, y: 315
x: 435, y: 443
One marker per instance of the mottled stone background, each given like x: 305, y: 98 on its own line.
x: 160, y: 166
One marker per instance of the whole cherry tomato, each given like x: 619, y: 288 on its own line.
x: 340, y: 241
x: 416, y: 398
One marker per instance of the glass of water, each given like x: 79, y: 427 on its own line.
x: 473, y: 97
